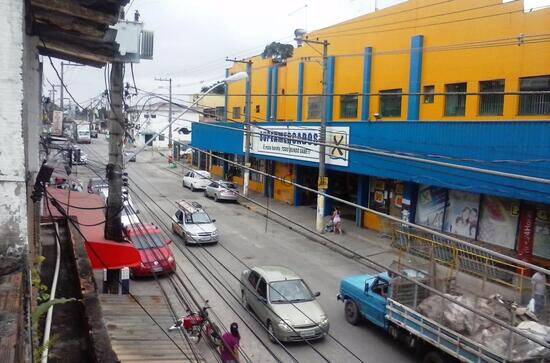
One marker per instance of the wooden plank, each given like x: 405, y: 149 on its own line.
x: 73, y: 8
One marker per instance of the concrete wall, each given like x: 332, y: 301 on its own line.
x: 13, y: 195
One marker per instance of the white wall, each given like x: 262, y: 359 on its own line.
x: 13, y: 195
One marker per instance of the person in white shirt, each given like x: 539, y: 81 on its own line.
x: 538, y: 281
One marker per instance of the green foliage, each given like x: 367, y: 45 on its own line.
x: 278, y: 52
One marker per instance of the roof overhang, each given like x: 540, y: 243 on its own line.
x: 75, y: 30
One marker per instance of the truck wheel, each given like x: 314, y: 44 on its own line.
x: 433, y: 357
x: 352, y: 312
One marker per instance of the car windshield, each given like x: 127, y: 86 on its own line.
x: 200, y: 218
x: 289, y: 291
x: 147, y: 241
x: 228, y: 185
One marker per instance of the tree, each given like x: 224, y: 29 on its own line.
x: 278, y: 52
x: 219, y: 90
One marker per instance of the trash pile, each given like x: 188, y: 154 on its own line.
x: 482, y: 330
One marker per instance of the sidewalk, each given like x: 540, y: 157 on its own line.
x: 356, y: 240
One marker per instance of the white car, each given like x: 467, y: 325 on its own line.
x: 197, y: 180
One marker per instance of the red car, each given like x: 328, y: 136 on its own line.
x: 156, y: 256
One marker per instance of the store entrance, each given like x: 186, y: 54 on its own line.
x: 307, y: 176
x: 344, y: 186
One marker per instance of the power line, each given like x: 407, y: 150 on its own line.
x: 223, y: 266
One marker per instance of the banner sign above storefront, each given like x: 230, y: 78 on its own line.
x: 299, y: 143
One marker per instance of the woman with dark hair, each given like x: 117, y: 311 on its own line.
x: 229, y: 349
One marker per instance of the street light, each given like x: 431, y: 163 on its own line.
x: 233, y: 78
x: 300, y: 36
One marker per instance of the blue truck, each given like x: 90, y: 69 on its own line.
x: 376, y: 298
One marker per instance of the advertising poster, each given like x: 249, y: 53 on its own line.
x: 462, y: 213
x: 57, y: 123
x: 499, y: 221
x: 542, y: 232
x: 300, y: 143
x: 378, y: 195
x: 430, y: 208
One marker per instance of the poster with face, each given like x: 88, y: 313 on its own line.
x: 499, y: 221
x: 462, y: 213
x: 430, y: 208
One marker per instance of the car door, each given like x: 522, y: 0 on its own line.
x: 250, y: 288
x: 261, y: 300
x: 211, y: 189
x: 186, y: 178
x: 178, y: 220
x: 376, y: 301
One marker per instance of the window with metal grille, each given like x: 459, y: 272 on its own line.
x: 491, y: 104
x: 455, y: 104
x: 390, y: 103
x: 534, y: 104
x: 236, y: 112
x: 428, y: 94
x: 314, y: 107
x: 348, y: 106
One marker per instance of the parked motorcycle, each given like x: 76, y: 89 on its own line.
x: 195, y: 324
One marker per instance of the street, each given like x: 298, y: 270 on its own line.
x: 244, y: 240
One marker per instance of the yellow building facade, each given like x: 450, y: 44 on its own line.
x: 466, y: 46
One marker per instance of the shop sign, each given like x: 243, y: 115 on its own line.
x: 526, y: 232
x: 299, y: 143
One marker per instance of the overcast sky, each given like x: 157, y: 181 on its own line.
x: 193, y: 37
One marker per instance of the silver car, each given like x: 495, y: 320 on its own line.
x: 284, y: 303
x: 221, y: 190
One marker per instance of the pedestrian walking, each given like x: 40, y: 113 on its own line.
x: 337, y: 221
x: 538, y: 281
x: 229, y: 349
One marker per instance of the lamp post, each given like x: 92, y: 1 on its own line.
x: 234, y: 78
x: 169, y: 80
x: 322, y: 182
x: 247, y: 120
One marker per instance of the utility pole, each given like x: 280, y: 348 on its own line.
x: 247, y: 120
x: 322, y: 183
x: 169, y: 80
x: 113, y: 225
x: 62, y: 83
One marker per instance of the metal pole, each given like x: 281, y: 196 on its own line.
x: 170, y: 117
x: 322, y: 182
x: 62, y: 87
x: 247, y: 127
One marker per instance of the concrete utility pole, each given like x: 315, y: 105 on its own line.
x: 62, y: 88
x: 322, y: 183
x: 169, y: 80
x: 247, y: 120
x: 113, y: 225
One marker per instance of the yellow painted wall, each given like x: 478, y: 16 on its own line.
x: 456, y: 36
x: 216, y: 170
x: 252, y: 185
x: 284, y: 192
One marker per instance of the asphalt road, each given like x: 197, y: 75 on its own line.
x: 245, y: 240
